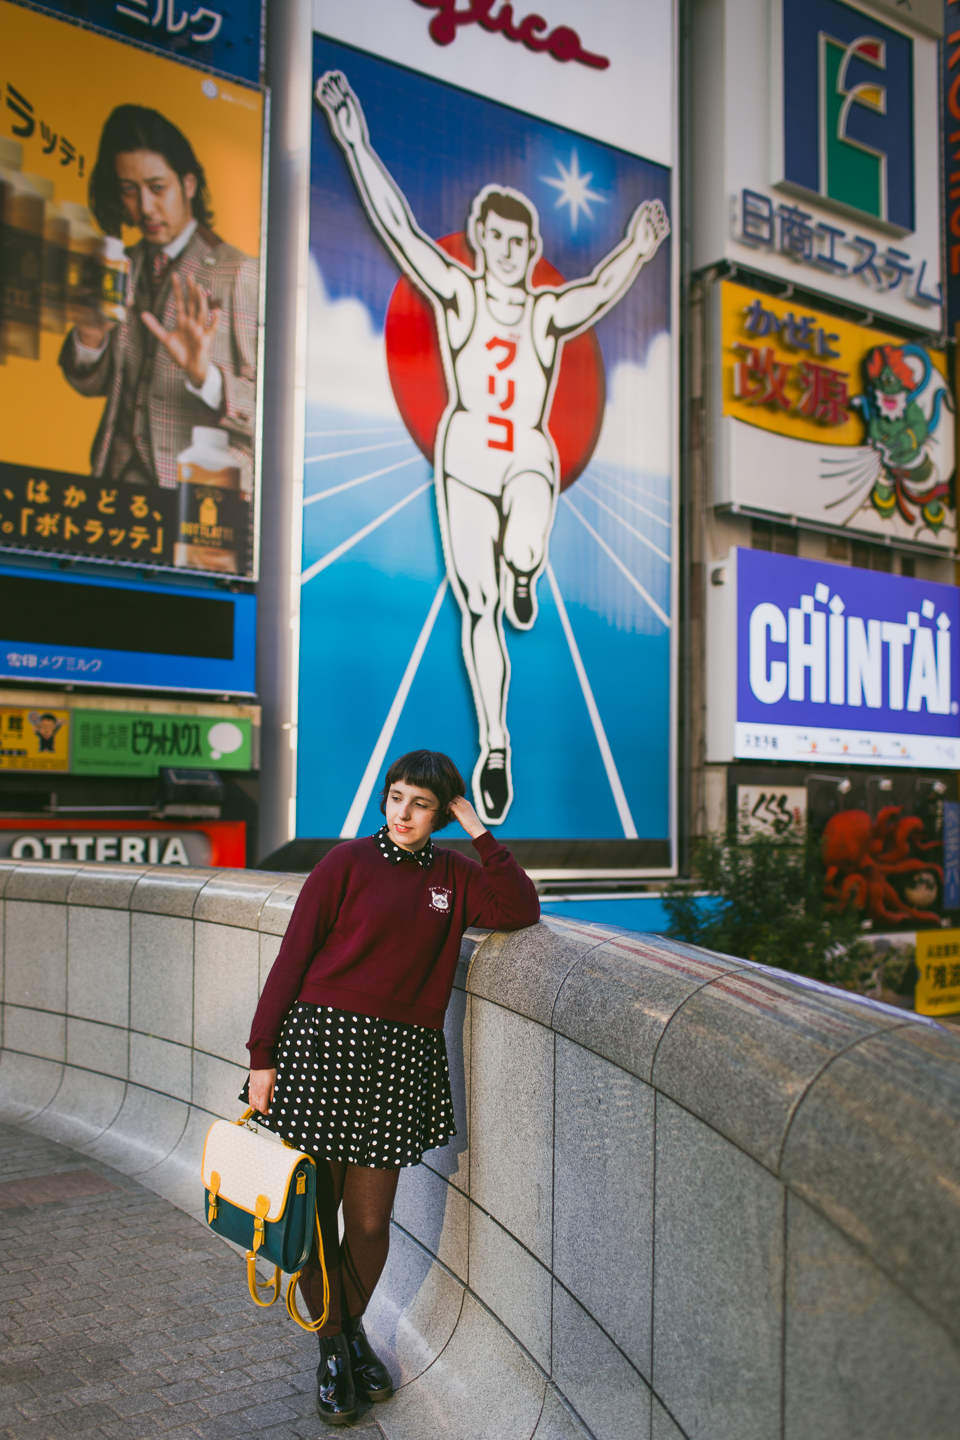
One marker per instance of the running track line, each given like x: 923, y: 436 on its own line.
x: 660, y: 614
x: 348, y: 544
x: 626, y: 525
x: 606, y: 754
x: 364, y: 790
x: 349, y: 484
x: 591, y: 475
x: 359, y: 450
x: 650, y: 494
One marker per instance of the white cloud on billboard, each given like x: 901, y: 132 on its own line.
x: 637, y: 424
x: 346, y: 358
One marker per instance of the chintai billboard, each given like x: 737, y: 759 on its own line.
x: 489, y: 503
x: 816, y: 662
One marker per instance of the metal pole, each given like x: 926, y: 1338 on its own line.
x: 289, y: 76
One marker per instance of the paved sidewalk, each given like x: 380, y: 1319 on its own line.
x: 121, y: 1316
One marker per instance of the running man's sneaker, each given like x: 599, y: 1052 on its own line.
x: 521, y: 600
x: 492, y: 786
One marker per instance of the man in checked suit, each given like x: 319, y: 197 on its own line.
x: 186, y: 354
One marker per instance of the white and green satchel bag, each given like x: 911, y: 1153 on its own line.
x: 263, y: 1197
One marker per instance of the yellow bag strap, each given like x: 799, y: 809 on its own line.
x: 214, y: 1192
x: 261, y: 1208
x: 253, y: 1282
x: 313, y: 1325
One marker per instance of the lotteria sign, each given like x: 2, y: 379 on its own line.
x: 844, y: 665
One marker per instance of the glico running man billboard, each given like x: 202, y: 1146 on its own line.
x: 130, y: 188
x: 815, y: 662
x: 488, y: 512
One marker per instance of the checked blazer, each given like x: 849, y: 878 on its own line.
x: 164, y: 409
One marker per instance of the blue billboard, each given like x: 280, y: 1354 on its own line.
x: 124, y: 632
x: 841, y: 664
x: 225, y: 37
x: 488, y: 537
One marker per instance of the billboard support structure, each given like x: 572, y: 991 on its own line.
x: 290, y: 34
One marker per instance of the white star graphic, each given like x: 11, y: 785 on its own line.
x: 574, y: 189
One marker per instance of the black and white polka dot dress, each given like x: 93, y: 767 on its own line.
x: 356, y: 1088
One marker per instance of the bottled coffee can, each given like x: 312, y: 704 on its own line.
x: 213, y: 510
x: 83, y: 262
x: 114, y: 279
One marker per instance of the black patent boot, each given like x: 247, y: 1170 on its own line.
x: 336, y: 1398
x: 370, y: 1375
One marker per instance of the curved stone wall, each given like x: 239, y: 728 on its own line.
x: 689, y: 1196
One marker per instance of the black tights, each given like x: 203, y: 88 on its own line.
x: 354, y: 1265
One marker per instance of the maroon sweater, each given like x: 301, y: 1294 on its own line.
x: 381, y: 939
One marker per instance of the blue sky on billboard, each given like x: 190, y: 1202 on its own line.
x: 377, y: 608
x: 834, y: 646
x: 848, y: 109
x: 442, y: 145
x: 224, y: 36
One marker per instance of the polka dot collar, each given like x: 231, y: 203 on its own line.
x: 393, y: 852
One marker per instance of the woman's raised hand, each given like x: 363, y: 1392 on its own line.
x: 261, y: 1089
x: 465, y: 815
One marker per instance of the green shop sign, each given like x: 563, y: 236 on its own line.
x: 118, y: 742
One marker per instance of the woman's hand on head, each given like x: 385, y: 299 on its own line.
x: 261, y: 1087
x: 465, y: 815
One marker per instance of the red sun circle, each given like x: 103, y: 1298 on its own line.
x: 419, y: 385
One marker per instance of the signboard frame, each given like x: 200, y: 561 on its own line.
x: 737, y: 119
x: 60, y: 522
x: 749, y: 445
x: 820, y: 729
x: 463, y: 64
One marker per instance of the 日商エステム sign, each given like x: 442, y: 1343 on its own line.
x: 832, y: 663
x: 817, y: 125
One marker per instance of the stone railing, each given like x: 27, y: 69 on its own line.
x: 689, y: 1196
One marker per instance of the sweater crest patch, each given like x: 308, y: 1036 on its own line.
x: 440, y: 898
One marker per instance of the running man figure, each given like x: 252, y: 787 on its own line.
x: 496, y: 469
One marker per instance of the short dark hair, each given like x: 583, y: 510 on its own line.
x: 427, y: 770
x: 133, y: 127
x: 507, y: 207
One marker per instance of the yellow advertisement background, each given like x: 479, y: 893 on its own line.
x: 16, y: 733
x: 936, y: 948
x: 853, y: 342
x: 74, y: 79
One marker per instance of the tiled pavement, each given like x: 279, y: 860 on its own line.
x: 121, y: 1316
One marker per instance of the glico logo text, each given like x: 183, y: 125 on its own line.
x: 848, y: 110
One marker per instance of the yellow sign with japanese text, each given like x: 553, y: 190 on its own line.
x: 833, y: 422
x: 130, y: 202
x: 34, y: 739
x: 800, y: 372
x: 938, y: 961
